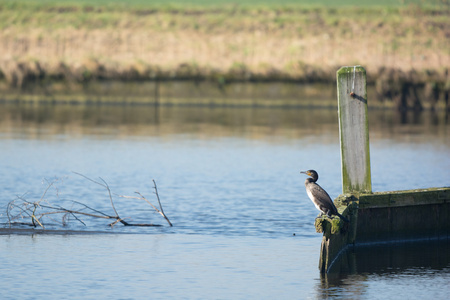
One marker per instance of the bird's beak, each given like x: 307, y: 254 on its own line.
x: 303, y: 172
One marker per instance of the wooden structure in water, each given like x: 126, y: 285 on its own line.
x: 386, y: 217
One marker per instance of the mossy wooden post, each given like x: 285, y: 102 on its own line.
x: 354, y: 130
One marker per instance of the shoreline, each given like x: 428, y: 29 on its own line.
x: 211, y: 93
x: 404, y: 48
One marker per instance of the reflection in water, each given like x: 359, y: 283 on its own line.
x: 206, y: 121
x: 364, y: 266
x: 164, y: 120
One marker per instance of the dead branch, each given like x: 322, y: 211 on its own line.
x: 21, y: 208
x: 11, y: 205
x: 106, y: 186
x: 88, y: 207
x: 112, y: 203
x: 159, y: 201
x: 160, y: 211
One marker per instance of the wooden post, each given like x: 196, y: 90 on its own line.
x: 354, y: 130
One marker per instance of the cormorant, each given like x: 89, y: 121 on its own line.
x: 319, y: 196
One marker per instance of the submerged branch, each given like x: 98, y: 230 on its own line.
x: 160, y: 211
x: 37, y: 211
x: 159, y: 201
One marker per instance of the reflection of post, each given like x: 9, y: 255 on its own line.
x: 156, y: 103
x: 156, y: 92
x: 354, y: 130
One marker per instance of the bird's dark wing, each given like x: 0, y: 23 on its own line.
x: 323, y: 198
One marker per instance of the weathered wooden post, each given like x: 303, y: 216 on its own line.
x: 354, y: 130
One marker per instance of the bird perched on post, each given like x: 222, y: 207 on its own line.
x: 319, y: 196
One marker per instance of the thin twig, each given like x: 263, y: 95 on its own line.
x: 157, y: 196
x: 160, y: 206
x: 160, y: 211
x: 110, y: 197
x: 106, y: 186
x: 65, y: 210
x: 112, y: 203
x: 33, y: 218
x: 115, y: 222
x: 45, y: 192
x: 89, y: 178
x: 146, y: 200
x: 88, y: 207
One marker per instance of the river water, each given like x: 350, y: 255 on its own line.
x: 228, y: 179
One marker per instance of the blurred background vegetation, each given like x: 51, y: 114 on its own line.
x: 62, y: 47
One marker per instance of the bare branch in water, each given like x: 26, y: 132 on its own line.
x: 160, y: 211
x: 159, y: 201
x: 21, y: 208
x: 119, y: 219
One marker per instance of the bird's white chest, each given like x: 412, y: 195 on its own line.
x: 310, y: 195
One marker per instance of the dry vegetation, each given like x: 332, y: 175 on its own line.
x: 80, y: 43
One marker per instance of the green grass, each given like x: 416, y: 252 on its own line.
x: 216, y: 3
x: 214, y: 13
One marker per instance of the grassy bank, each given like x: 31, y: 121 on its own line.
x: 400, y: 43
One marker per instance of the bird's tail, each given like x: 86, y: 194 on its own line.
x: 342, y: 217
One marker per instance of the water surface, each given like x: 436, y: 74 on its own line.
x: 229, y: 182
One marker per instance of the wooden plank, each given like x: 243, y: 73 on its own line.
x: 354, y: 130
x: 405, y: 198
